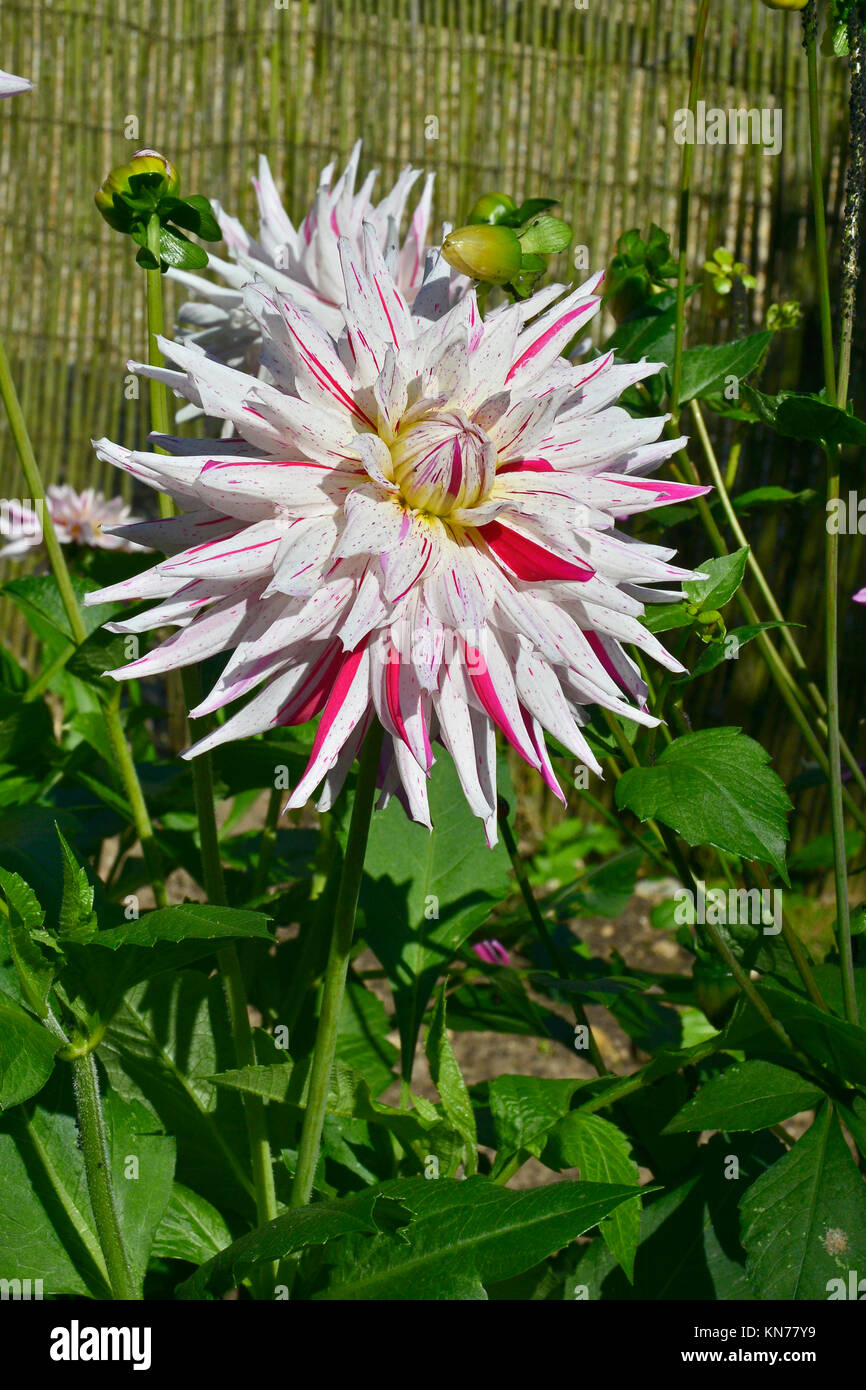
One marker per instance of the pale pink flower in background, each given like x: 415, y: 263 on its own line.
x: 302, y: 262
x: 416, y: 523
x: 10, y: 85
x: 860, y: 596
x: 79, y: 518
x: 492, y: 952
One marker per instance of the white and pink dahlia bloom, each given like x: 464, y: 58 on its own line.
x: 78, y: 517
x: 416, y: 523
x: 303, y: 262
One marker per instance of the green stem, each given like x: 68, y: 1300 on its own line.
x: 817, y: 181
x: 685, y: 194
x: 33, y: 478
x: 233, y: 984
x: 831, y: 550
x: 94, y: 1145
x: 60, y: 569
x: 559, y: 958
x: 159, y: 408
x: 268, y: 840
x: 337, y: 969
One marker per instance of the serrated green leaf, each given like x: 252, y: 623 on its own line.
x: 804, y: 1220
x: 749, y: 1095
x: 706, y: 370
x: 724, y: 577
x: 463, y: 1235
x: 27, y: 1052
x: 715, y: 788
x: 77, y: 919
x: 35, y: 969
x: 367, y: 1212
x: 525, y: 1109
x: 184, y: 922
x: 602, y: 1153
x: 191, y: 1229
x: 448, y: 1080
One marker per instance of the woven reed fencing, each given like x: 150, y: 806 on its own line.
x: 525, y: 95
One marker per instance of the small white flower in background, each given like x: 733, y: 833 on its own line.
x: 10, y: 85
x: 416, y: 523
x: 78, y: 517
x: 302, y: 262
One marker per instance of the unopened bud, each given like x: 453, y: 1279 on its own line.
x: 486, y: 253
x: 160, y: 180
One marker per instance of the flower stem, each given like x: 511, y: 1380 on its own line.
x: 159, y: 410
x: 235, y: 990
x: 831, y: 551
x: 685, y: 195
x: 60, y: 570
x: 821, y: 264
x: 33, y: 478
x: 559, y: 958
x: 337, y: 969
x: 94, y: 1145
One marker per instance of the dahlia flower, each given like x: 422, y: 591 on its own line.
x: 10, y: 85
x: 78, y: 517
x: 304, y: 262
x: 415, y: 523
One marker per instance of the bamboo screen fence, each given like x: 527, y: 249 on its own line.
x: 576, y: 96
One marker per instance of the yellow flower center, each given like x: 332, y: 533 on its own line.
x: 443, y: 462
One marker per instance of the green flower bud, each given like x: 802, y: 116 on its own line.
x: 491, y: 208
x: 486, y: 253
x: 162, y: 181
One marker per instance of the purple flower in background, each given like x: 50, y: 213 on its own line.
x: 860, y: 596
x: 492, y: 953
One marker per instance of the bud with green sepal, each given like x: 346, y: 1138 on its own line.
x: 503, y: 244
x: 639, y: 270
x: 148, y: 187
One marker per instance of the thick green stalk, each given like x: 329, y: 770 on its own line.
x: 33, y: 478
x: 817, y: 181
x: 233, y: 979
x: 337, y: 969
x: 831, y: 551
x: 685, y: 195
x: 159, y: 409
x: 559, y: 958
x: 94, y: 1146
